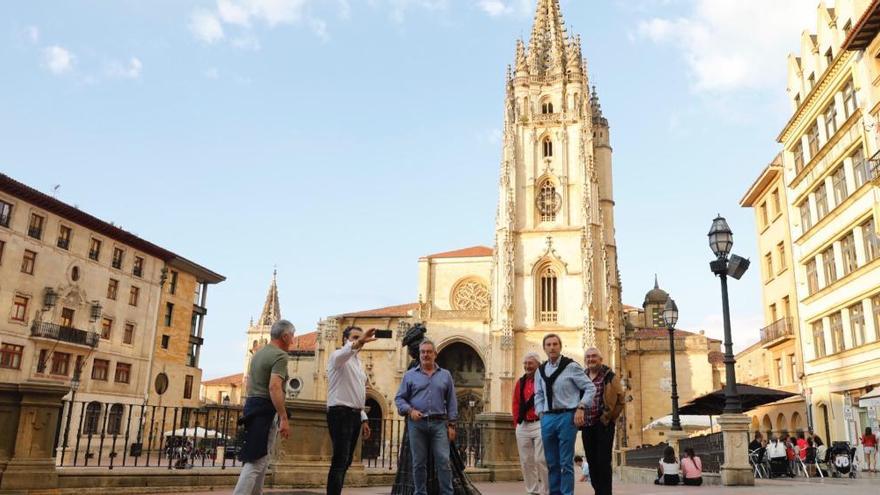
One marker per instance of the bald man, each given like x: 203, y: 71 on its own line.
x: 600, y: 419
x: 528, y: 429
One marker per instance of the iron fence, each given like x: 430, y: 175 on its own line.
x: 709, y: 448
x: 96, y: 434
x: 645, y: 457
x: 382, y: 450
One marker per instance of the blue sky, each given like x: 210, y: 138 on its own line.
x: 342, y: 139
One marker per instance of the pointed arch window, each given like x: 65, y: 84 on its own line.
x: 548, y: 311
x: 547, y: 147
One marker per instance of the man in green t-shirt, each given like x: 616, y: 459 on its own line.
x: 264, y: 413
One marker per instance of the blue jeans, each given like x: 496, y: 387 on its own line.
x: 424, y: 435
x: 558, y: 433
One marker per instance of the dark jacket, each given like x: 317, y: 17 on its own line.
x: 256, y: 421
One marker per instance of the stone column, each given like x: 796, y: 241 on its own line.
x: 736, y: 470
x: 500, y: 454
x: 303, y: 460
x: 29, y: 415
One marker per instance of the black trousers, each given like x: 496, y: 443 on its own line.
x: 598, y: 440
x: 345, y: 427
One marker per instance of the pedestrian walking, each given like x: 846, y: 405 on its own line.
x: 528, y: 429
x: 346, y: 397
x: 597, y: 435
x: 264, y: 415
x: 562, y: 394
x: 427, y: 397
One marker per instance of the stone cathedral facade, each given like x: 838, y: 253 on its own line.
x: 554, y: 264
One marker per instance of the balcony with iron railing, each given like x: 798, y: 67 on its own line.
x: 64, y: 334
x: 777, y: 332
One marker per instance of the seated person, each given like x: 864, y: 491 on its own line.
x: 778, y: 459
x: 583, y: 467
x: 691, y: 468
x: 668, y: 472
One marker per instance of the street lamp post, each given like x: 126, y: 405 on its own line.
x: 670, y: 317
x: 736, y: 469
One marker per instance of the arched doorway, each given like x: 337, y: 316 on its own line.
x: 767, y: 425
x: 468, y: 374
x: 372, y: 447
x: 823, y: 417
x: 756, y: 425
x: 781, y: 424
x: 796, y: 425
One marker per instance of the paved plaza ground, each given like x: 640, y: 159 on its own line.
x: 863, y: 486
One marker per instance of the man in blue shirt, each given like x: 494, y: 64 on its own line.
x: 427, y: 396
x: 562, y: 394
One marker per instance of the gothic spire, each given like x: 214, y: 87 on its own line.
x: 547, y: 51
x: 598, y: 118
x: 271, y: 308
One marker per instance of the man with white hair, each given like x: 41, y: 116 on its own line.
x: 528, y: 428
x: 597, y: 433
x: 264, y: 415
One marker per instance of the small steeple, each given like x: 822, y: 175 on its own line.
x: 547, y: 52
x: 598, y: 118
x: 271, y: 308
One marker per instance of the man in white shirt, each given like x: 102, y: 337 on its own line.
x: 346, y: 395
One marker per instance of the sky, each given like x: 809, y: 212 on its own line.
x: 340, y: 140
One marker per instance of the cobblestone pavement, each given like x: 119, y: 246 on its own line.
x: 864, y: 486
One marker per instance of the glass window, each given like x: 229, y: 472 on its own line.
x: 67, y: 315
x: 166, y: 340
x: 133, y: 296
x: 548, y: 147
x: 35, y: 227
x: 857, y: 323
x: 172, y: 287
x: 5, y: 213
x: 548, y: 296
x: 818, y: 339
x: 123, y: 373
x: 118, y: 256
x: 777, y: 207
x: 188, y: 387
x: 94, y: 249
x: 60, y: 363
x: 850, y: 102
x: 838, y: 181
x: 812, y: 276
x: 798, y: 153
x: 10, y: 356
x: 821, y: 195
x: 106, y: 328
x: 64, y: 234
x: 875, y: 307
x: 870, y: 241
x: 830, y: 120
x: 19, y: 308
x: 138, y: 269
x: 28, y: 261
x: 828, y: 266
x: 783, y: 262
x: 848, y: 248
x: 806, y: 219
x: 112, y: 289
x: 861, y: 167
x: 813, y: 139
x: 779, y: 378
x: 114, y: 419
x: 547, y: 107
x: 169, y: 314
x: 548, y: 203
x: 2, y: 249
x: 128, y: 333
x: 837, y: 333
x: 100, y: 369
x: 92, y: 418
x: 768, y: 263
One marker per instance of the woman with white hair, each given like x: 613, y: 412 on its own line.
x: 528, y: 429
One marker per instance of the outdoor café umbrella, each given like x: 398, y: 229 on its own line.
x: 712, y: 404
x: 198, y: 432
x: 688, y: 422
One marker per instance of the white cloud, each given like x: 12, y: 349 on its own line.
x: 496, y: 8
x: 206, y: 26
x: 132, y: 70
x: 58, y: 59
x: 730, y: 45
x: 233, y: 13
x: 32, y: 33
x: 319, y: 27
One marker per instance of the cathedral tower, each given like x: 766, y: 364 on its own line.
x: 555, y: 266
x: 258, y: 333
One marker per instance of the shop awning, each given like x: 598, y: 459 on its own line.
x: 871, y: 399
